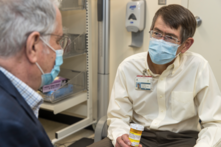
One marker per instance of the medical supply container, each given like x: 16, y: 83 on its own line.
x: 135, y: 134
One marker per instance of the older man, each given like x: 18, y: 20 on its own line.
x: 177, y: 89
x: 30, y: 57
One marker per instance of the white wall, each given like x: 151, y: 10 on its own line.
x: 120, y: 39
x: 207, y: 36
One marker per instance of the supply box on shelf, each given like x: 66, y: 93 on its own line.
x: 77, y: 82
x: 72, y: 5
x: 77, y: 46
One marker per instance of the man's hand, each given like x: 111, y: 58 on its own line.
x: 123, y: 141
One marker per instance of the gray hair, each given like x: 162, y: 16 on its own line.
x: 19, y: 18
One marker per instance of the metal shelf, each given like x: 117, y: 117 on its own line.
x: 77, y: 83
x: 72, y: 5
x: 74, y: 100
x: 84, y: 47
x: 77, y: 46
x: 74, y: 55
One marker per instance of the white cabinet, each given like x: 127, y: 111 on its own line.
x: 76, y: 21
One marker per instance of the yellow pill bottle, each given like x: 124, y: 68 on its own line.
x: 135, y: 134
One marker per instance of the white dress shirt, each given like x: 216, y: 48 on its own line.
x: 184, y: 93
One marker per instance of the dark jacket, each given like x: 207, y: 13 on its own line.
x: 19, y: 127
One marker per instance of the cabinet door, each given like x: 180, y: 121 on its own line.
x: 208, y: 35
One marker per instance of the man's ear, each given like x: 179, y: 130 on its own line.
x: 187, y: 44
x: 33, y: 47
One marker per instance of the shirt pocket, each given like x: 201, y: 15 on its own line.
x: 183, y: 106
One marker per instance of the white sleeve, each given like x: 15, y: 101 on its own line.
x: 209, y: 109
x: 120, y: 108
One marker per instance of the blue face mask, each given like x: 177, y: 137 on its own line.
x: 162, y: 52
x: 48, y: 78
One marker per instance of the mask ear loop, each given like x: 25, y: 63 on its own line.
x: 50, y: 48
x: 47, y: 44
x: 178, y: 54
x: 40, y: 68
x: 37, y: 63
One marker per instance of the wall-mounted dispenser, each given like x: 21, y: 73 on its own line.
x: 136, y: 21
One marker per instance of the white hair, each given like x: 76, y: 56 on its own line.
x: 19, y: 18
x: 57, y: 2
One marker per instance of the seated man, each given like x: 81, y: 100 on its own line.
x: 180, y: 90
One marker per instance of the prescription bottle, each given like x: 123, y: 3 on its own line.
x: 135, y: 134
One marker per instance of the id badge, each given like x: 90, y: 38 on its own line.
x: 143, y: 82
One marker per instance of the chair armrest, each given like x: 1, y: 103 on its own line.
x: 101, y: 129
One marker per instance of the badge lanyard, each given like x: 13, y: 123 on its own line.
x: 143, y: 82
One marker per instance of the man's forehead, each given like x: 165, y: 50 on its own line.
x: 163, y: 27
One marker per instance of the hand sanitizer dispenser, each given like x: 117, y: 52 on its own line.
x: 135, y: 16
x: 136, y: 21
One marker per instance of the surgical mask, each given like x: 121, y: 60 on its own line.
x: 162, y: 52
x: 48, y: 78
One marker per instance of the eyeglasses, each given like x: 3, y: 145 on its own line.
x: 64, y: 41
x: 167, y: 38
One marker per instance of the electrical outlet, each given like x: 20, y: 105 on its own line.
x: 162, y: 2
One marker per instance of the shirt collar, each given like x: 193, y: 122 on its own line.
x: 33, y: 99
x: 175, y: 65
